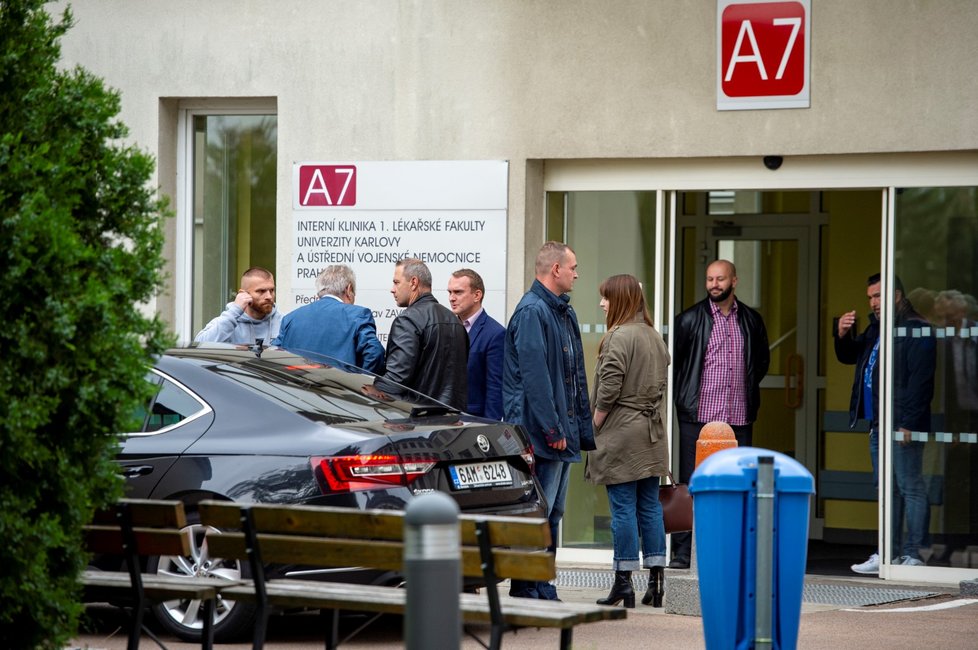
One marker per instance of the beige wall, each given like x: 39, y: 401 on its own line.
x: 526, y: 82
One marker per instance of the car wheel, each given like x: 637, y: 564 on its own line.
x: 183, y: 617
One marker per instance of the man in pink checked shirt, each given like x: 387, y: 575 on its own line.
x: 720, y: 356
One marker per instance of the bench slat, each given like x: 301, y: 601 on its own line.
x: 508, y: 531
x: 323, y: 521
x: 146, y: 513
x: 510, y: 563
x: 328, y: 521
x: 149, y: 541
x: 156, y: 587
x: 287, y: 549
x: 391, y: 600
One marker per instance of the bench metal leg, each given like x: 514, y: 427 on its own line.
x: 332, y: 619
x: 566, y: 635
x: 472, y: 635
x: 207, y: 634
x: 261, y: 626
x: 136, y: 627
x: 496, y: 636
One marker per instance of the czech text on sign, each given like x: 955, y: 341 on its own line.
x: 763, y: 54
x: 370, y: 214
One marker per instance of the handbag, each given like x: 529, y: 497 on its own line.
x: 677, y: 506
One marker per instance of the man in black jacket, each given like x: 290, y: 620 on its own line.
x: 428, y: 347
x: 914, y: 360
x: 720, y: 356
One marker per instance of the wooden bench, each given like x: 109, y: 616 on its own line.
x: 135, y: 529
x: 493, y: 548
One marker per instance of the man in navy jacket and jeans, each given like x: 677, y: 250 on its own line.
x: 914, y: 360
x: 545, y: 386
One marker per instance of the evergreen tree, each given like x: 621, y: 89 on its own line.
x: 80, y: 244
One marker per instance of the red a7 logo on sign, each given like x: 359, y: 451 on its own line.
x: 762, y: 49
x: 327, y: 185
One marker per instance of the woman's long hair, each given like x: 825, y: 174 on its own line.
x: 625, y: 301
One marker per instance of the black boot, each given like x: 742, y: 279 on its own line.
x: 620, y: 591
x: 657, y: 586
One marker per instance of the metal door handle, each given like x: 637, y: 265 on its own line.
x: 137, y: 470
x: 794, y: 368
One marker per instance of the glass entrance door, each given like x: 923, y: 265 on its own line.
x: 777, y: 277
x: 772, y: 270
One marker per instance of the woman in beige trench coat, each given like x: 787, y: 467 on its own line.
x: 632, y: 453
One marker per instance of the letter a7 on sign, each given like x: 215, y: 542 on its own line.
x: 763, y: 54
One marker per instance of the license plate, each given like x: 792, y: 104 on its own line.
x: 477, y: 475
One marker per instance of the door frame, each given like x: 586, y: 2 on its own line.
x: 668, y: 176
x: 769, y: 227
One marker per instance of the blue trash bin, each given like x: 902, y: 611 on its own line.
x: 724, y: 488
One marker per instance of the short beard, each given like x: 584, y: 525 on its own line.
x: 722, y: 296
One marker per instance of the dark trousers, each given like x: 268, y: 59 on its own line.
x: 689, y: 432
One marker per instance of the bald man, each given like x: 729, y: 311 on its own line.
x: 720, y: 357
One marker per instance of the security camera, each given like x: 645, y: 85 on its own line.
x: 773, y: 162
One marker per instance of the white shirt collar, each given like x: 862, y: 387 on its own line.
x: 468, y: 322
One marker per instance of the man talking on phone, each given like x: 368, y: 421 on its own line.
x: 251, y: 317
x: 914, y: 359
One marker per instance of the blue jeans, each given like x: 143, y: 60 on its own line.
x: 912, y: 507
x: 552, y: 476
x: 909, y: 494
x: 635, y: 508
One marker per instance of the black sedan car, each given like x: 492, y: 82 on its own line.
x: 252, y: 425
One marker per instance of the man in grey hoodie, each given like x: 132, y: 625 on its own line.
x: 252, y: 316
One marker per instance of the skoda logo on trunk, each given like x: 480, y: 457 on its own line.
x: 483, y: 443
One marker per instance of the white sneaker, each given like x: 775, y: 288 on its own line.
x: 908, y: 560
x: 870, y: 566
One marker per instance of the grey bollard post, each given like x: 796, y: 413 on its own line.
x: 764, y: 569
x: 433, y: 573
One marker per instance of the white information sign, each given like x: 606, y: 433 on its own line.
x: 369, y: 215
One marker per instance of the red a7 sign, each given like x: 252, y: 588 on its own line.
x: 763, y: 54
x: 327, y: 185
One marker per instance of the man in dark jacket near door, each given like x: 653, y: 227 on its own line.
x: 428, y: 347
x: 720, y: 356
x: 914, y: 359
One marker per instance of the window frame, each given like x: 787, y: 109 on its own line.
x: 187, y: 110
x: 163, y: 379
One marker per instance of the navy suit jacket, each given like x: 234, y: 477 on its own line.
x: 331, y: 327
x: 487, y: 339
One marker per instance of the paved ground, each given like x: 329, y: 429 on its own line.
x: 946, y: 621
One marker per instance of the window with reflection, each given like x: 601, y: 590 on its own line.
x: 934, y: 467
x: 611, y: 233
x: 234, y: 185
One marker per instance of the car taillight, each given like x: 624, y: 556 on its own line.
x: 366, y: 471
x: 527, y: 455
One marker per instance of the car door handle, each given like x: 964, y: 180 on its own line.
x: 137, y: 470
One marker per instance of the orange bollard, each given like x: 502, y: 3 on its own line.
x: 714, y: 437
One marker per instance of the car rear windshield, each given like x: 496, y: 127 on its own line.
x: 315, y: 391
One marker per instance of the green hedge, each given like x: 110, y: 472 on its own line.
x: 80, y: 243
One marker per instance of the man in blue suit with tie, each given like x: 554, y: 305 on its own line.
x: 486, y: 341
x: 333, y: 325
